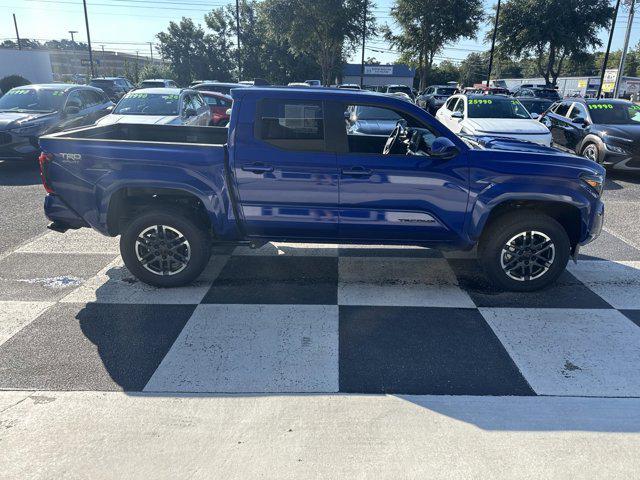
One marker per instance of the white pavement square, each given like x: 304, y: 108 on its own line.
x: 571, y: 352
x: 618, y: 283
x: 390, y: 281
x: 253, y: 349
x: 79, y: 241
x: 14, y: 316
x: 115, y: 284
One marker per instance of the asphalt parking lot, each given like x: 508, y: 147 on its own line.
x: 299, y: 359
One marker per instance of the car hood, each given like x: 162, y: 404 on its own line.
x: 374, y: 127
x: 505, y: 125
x: 513, y: 145
x: 632, y: 132
x: 139, y: 119
x: 12, y: 119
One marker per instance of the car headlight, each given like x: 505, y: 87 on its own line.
x: 30, y: 129
x: 615, y: 149
x: 593, y: 181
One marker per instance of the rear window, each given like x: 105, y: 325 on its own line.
x: 293, y: 125
x: 549, y: 93
x: 400, y: 88
x: 445, y: 91
x: 151, y: 84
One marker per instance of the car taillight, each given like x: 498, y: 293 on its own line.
x: 44, y: 159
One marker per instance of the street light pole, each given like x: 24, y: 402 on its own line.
x: 15, y: 24
x: 623, y: 57
x: 364, y: 36
x: 606, y: 54
x: 86, y: 21
x: 238, y: 39
x: 493, y: 43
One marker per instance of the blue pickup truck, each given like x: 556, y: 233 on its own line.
x: 288, y: 168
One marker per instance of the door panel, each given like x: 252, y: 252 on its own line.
x: 290, y: 189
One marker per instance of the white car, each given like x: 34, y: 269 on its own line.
x: 161, y: 106
x: 492, y: 115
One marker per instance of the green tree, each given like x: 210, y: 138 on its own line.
x: 426, y: 26
x: 551, y: 31
x: 326, y: 31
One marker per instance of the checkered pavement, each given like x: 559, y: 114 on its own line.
x: 317, y: 318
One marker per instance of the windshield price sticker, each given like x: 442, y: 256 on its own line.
x: 17, y: 92
x: 57, y: 93
x: 477, y: 101
x: 137, y: 95
x: 169, y: 97
x: 600, y: 106
x: 635, y: 107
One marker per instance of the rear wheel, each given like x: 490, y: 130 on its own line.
x: 524, y: 251
x: 165, y: 248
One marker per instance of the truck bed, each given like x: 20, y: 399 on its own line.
x: 149, y: 133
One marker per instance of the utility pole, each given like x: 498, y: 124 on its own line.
x: 493, y: 43
x: 151, y: 50
x: 238, y: 40
x: 86, y: 21
x: 364, y: 36
x: 623, y: 58
x: 606, y: 54
x: 15, y: 23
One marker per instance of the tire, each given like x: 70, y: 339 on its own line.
x: 533, y: 270
x: 183, y: 261
x: 591, y: 152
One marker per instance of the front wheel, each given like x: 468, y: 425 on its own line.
x: 524, y: 251
x: 165, y: 248
x: 591, y: 152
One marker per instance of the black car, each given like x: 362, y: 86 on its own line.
x: 220, y: 87
x: 605, y: 131
x: 33, y: 110
x: 432, y: 98
x: 537, y: 99
x: 114, y: 87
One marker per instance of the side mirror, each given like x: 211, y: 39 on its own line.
x: 443, y: 148
x: 580, y: 121
x: 72, y: 110
x: 190, y: 112
x: 458, y: 115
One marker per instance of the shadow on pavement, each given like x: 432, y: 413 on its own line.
x: 19, y: 173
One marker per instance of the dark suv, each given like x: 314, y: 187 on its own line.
x: 114, y: 87
x: 605, y: 131
x: 434, y: 97
x: 537, y: 99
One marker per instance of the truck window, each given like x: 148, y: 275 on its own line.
x: 292, y: 125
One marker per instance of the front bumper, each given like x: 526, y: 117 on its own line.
x: 621, y: 161
x: 594, y: 225
x: 15, y: 147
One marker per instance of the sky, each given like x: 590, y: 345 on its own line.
x: 128, y: 25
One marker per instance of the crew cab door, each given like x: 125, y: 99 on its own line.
x: 286, y: 175
x: 400, y: 197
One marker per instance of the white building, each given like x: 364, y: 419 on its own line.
x: 34, y: 65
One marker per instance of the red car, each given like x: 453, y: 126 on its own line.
x: 218, y: 103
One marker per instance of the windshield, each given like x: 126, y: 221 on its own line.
x: 445, y: 91
x: 148, y: 104
x: 496, y: 108
x: 31, y: 100
x: 102, y: 83
x: 374, y: 113
x: 400, y: 88
x: 615, y: 113
x: 547, y: 93
x: 152, y: 84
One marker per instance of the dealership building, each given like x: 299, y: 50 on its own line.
x: 378, y: 75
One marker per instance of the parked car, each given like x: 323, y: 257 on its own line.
x: 298, y: 84
x: 32, y: 110
x: 432, y: 98
x: 492, y: 115
x: 313, y: 83
x: 605, y: 131
x: 400, y: 88
x: 158, y: 83
x: 221, y: 87
x: 219, y: 104
x: 349, y: 86
x: 370, y: 120
x: 114, y: 87
x: 536, y: 99
x: 166, y: 106
x: 402, y: 96
x: 291, y: 170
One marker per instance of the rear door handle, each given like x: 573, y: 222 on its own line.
x: 357, y: 172
x: 257, y: 168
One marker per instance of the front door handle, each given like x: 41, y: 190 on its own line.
x: 257, y: 168
x: 357, y: 172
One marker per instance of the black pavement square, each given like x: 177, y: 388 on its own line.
x: 609, y: 247
x: 423, y: 351
x: 276, y: 280
x: 633, y: 315
x: 91, y: 347
x: 566, y: 292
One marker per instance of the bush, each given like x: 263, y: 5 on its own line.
x: 12, y: 81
